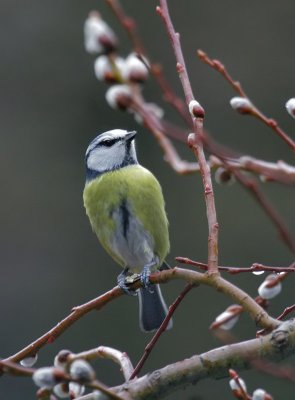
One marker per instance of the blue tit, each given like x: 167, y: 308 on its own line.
x: 126, y: 209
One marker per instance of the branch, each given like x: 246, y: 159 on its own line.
x: 194, y: 140
x: 279, y: 172
x: 286, y: 311
x: 249, y: 305
x: 213, y: 364
x: 77, y: 313
x: 237, y: 270
x: 161, y: 329
x: 108, y: 353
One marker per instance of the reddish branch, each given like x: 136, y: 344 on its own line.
x: 191, y: 277
x: 56, y: 331
x: 106, y: 352
x: 195, y: 140
x: 271, y: 123
x: 162, y: 328
x: 286, y: 311
x: 236, y: 270
x: 270, y: 172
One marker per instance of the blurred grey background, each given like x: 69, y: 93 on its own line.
x: 52, y: 106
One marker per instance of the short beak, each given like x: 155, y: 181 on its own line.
x: 130, y: 135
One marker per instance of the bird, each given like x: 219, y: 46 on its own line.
x: 125, y: 205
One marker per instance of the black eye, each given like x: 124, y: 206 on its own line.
x: 108, y: 142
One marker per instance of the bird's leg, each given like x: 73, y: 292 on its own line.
x: 145, y: 275
x: 165, y: 266
x: 121, y: 280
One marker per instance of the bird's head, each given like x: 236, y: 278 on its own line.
x: 109, y: 151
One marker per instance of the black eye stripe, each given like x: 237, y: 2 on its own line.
x: 108, y: 142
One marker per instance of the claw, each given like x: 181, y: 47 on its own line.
x: 121, y: 280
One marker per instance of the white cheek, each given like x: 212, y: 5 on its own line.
x: 105, y: 158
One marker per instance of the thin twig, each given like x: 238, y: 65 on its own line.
x: 108, y: 353
x: 195, y: 141
x: 77, y: 313
x: 270, y: 172
x: 161, y: 329
x: 237, y: 270
x: 12, y: 368
x: 286, y: 311
x: 254, y: 111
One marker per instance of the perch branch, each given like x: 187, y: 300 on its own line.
x: 249, y: 305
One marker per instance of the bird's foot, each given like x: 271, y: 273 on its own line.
x: 145, y: 276
x: 121, y: 280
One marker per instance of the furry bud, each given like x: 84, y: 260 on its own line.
x: 229, y: 316
x: 62, y: 358
x: 235, y: 386
x: 135, y: 70
x: 260, y: 394
x: 119, y: 97
x: 241, y: 105
x: 76, y: 390
x: 224, y: 176
x: 269, y: 292
x: 98, y: 36
x: 82, y: 371
x: 196, y: 110
x: 290, y: 106
x: 47, y: 377
x: 109, y: 70
x: 61, y: 390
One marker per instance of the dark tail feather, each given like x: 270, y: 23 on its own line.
x: 152, y: 309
